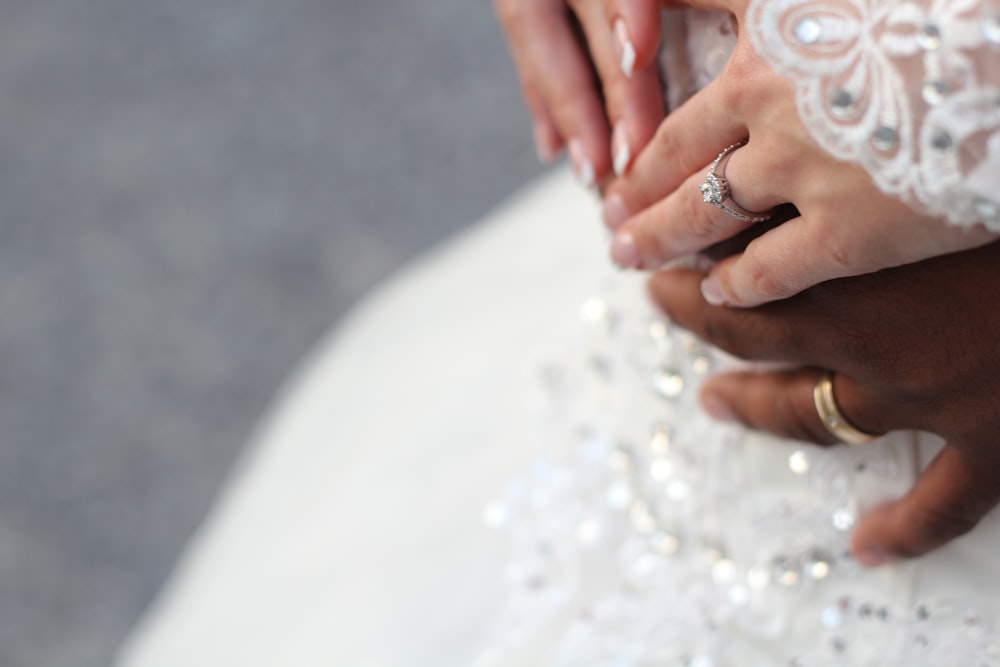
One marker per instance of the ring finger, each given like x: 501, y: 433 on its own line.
x: 683, y: 222
x: 782, y: 403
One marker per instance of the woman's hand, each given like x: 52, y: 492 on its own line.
x: 589, y: 77
x: 913, y: 347
x: 845, y: 224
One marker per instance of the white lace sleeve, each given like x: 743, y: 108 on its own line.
x: 908, y: 89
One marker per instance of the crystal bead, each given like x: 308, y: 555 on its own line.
x: 739, y: 596
x: 588, y: 532
x: 838, y: 644
x: 798, y: 462
x: 842, y: 103
x: 929, y: 37
x: 818, y: 564
x: 496, y: 514
x: 642, y: 519
x: 990, y: 29
x: 941, y: 140
x: 660, y: 442
x: 668, y: 382
x: 596, y: 314
x: 723, y: 571
x: 934, y: 91
x: 843, y: 519
x: 758, y: 578
x: 658, y: 330
x: 677, y: 490
x: 618, y: 495
x: 701, y: 661
x: 661, y: 470
x: 785, y: 571
x: 831, y: 617
x: 701, y: 365
x: 885, y: 138
x: 923, y: 613
x: 808, y: 31
x: 664, y: 543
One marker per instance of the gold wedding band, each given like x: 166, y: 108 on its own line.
x: 831, y: 416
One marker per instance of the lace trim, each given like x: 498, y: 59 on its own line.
x: 908, y: 89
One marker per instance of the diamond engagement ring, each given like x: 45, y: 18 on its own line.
x: 715, y: 190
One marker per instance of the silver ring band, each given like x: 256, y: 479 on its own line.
x: 715, y: 190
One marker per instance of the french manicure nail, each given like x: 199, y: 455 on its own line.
x: 627, y: 50
x: 542, y: 147
x: 619, y: 144
x: 614, y: 211
x: 624, y: 251
x: 717, y: 409
x: 582, y: 166
x: 711, y: 291
x: 873, y: 558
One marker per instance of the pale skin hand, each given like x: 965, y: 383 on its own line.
x: 912, y: 348
x: 582, y: 84
x: 847, y: 226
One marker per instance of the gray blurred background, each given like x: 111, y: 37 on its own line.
x: 191, y: 193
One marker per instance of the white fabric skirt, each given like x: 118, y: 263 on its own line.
x: 352, y: 532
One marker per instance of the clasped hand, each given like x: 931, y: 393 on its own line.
x: 844, y: 224
x: 911, y: 347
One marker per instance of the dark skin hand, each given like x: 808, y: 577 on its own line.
x: 915, y: 347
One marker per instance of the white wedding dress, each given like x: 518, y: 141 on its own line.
x: 499, y: 458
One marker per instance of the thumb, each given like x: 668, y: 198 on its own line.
x: 947, y: 500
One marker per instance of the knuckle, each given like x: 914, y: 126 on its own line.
x: 723, y: 334
x: 674, y: 153
x: 840, y: 248
x: 761, y: 278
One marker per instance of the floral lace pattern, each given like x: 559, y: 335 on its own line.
x: 908, y: 89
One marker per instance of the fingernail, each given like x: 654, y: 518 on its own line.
x: 542, y: 147
x: 624, y: 251
x: 582, y: 166
x: 717, y: 409
x: 614, y: 211
x: 625, y: 48
x: 873, y: 558
x: 619, y: 144
x: 711, y: 291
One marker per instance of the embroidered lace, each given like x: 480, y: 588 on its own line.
x: 908, y: 89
